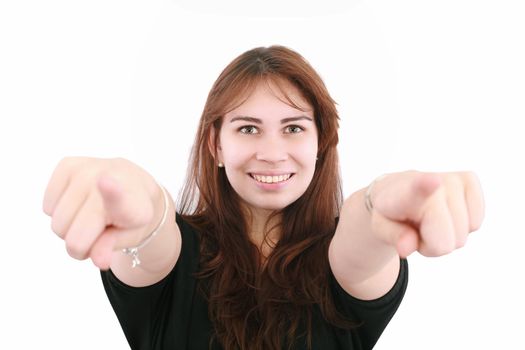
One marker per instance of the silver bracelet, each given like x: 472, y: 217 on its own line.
x: 368, y: 200
x: 134, y: 251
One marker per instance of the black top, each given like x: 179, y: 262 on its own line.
x: 171, y: 314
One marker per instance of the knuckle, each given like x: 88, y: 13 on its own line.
x: 461, y: 242
x: 58, y: 226
x: 76, y: 249
x: 118, y: 162
x: 475, y: 225
x: 449, y: 246
x: 475, y: 220
x: 442, y: 247
x: 461, y: 238
x: 471, y: 177
x: 47, y: 207
x: 65, y: 161
x: 462, y: 229
x: 69, y: 162
x: 452, y: 181
x: 118, y: 159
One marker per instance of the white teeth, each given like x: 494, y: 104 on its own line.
x: 271, y: 179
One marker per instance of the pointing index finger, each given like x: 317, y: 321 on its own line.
x: 402, y: 196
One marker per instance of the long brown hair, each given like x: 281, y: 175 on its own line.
x: 251, y: 305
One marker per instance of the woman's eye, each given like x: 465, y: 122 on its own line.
x: 293, y: 129
x: 249, y: 129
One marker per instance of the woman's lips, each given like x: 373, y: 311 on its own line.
x: 281, y: 181
x: 271, y: 178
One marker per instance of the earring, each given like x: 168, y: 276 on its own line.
x: 220, y: 165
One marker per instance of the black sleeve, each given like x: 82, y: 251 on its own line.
x: 146, y: 314
x: 372, y: 315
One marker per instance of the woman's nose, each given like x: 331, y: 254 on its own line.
x: 271, y: 150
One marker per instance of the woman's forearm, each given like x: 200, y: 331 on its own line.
x: 365, y: 266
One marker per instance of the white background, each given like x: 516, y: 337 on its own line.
x: 427, y: 85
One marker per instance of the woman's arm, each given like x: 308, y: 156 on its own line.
x: 431, y: 213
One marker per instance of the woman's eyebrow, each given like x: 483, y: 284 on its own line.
x: 259, y: 121
x: 293, y: 119
x: 246, y: 119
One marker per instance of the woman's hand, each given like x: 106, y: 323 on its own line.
x: 101, y: 205
x: 431, y: 213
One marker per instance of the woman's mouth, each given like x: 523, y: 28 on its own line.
x: 271, y: 179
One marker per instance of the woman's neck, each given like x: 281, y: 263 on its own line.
x: 264, y: 235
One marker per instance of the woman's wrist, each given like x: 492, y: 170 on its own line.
x: 134, y: 251
x: 369, y: 204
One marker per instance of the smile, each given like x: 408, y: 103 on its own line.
x: 271, y: 179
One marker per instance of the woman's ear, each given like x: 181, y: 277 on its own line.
x: 216, y: 153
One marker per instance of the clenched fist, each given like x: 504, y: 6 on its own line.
x: 431, y: 213
x: 98, y: 206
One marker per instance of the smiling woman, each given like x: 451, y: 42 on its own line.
x: 268, y: 115
x: 278, y: 143
x: 260, y: 251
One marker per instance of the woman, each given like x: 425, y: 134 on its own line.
x: 261, y: 251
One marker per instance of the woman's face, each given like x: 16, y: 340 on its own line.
x: 269, y: 148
